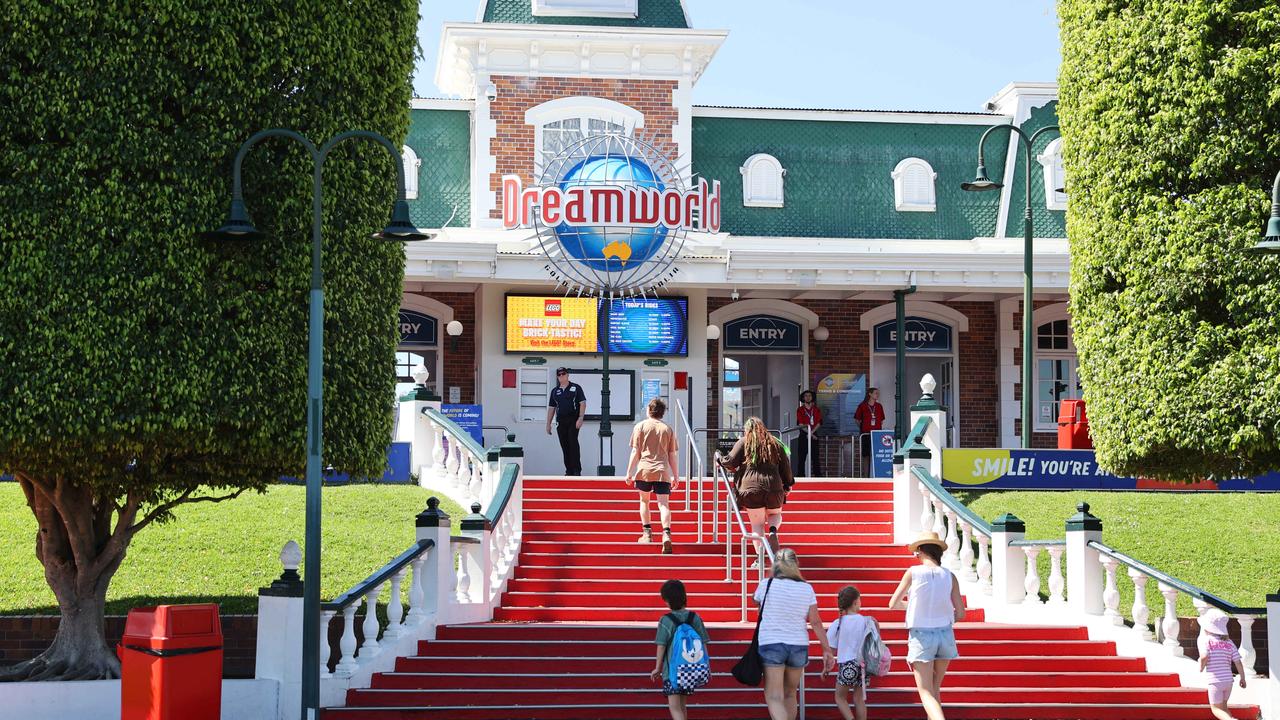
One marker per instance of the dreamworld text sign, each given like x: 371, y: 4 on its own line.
x: 630, y: 205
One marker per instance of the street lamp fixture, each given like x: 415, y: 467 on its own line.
x: 238, y: 227
x: 1270, y: 243
x: 983, y: 183
x: 453, y: 329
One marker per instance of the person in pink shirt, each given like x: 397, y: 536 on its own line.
x: 1217, y: 656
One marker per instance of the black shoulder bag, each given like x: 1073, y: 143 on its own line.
x: 750, y: 669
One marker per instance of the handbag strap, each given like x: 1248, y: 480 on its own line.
x: 760, y: 615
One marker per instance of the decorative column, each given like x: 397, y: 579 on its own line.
x: 935, y: 438
x: 1169, y: 623
x: 279, y: 646
x: 1008, y: 568
x: 1084, y: 569
x: 1141, y: 613
x: 436, y: 567
x: 1110, y: 593
x: 478, y: 557
x: 908, y: 502
x: 1031, y: 583
x: 1272, y: 695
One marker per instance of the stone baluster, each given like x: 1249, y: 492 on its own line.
x: 477, y: 477
x: 1111, y: 593
x: 417, y: 591
x: 370, y: 646
x: 1169, y: 623
x: 326, y: 617
x: 464, y: 573
x: 984, y: 563
x: 1141, y: 613
x: 1248, y: 653
x: 939, y: 517
x: 951, y: 556
x: 427, y: 469
x: 1200, y: 606
x: 453, y: 463
x: 1032, y: 581
x: 1056, y: 582
x: 966, y: 553
x: 347, y: 664
x: 439, y: 468
x: 926, y: 504
x: 395, y: 606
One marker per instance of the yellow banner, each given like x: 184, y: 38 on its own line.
x: 551, y: 324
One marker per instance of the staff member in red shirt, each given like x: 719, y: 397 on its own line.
x: 870, y: 416
x: 808, y: 418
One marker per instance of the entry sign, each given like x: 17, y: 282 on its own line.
x: 762, y: 332
x: 881, y: 453
x: 416, y: 329
x: 921, y: 336
x: 468, y: 417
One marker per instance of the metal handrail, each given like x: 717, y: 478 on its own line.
x: 744, y: 535
x: 691, y: 440
x: 1199, y: 593
x: 379, y: 576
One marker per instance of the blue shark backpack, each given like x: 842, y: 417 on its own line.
x: 688, y: 666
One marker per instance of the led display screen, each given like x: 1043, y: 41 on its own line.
x: 541, y: 324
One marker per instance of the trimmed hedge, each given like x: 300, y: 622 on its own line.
x: 1171, y: 125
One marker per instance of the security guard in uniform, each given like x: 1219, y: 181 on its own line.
x: 569, y: 405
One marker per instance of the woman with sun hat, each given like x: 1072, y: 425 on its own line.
x: 933, y: 602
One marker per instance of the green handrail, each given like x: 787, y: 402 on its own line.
x: 456, y: 432
x: 977, y: 523
x: 503, y: 493
x: 379, y: 576
x: 1199, y: 593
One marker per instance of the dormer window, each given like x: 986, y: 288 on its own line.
x: 1054, y: 176
x: 762, y: 181
x: 584, y: 8
x: 913, y: 186
x: 411, y: 165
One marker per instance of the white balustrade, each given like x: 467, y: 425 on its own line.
x: 1141, y: 613
x: 926, y: 504
x: 464, y: 573
x: 1248, y: 653
x: 1032, y: 582
x: 1056, y: 582
x: 439, y: 468
x: 326, y: 617
x: 370, y: 646
x: 984, y: 563
x: 966, y: 553
x: 951, y: 556
x: 1111, y: 593
x: 347, y: 645
x: 939, y: 517
x: 453, y: 463
x: 1169, y: 624
x: 418, y: 590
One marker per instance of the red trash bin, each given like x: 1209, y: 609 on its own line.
x: 171, y: 663
x: 1073, y: 426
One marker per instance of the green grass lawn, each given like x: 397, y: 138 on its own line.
x: 1225, y: 543
x: 224, y: 552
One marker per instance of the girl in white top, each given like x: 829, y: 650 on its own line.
x: 846, y: 636
x: 789, y: 602
x: 932, y: 595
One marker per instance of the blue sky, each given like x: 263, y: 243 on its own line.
x: 906, y: 55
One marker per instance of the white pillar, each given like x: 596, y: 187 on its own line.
x: 437, y: 569
x: 907, y: 500
x: 480, y: 557
x: 935, y: 437
x: 1008, y: 562
x: 1272, y: 695
x: 279, y: 647
x: 1085, y: 577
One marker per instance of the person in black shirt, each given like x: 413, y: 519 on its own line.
x: 568, y: 405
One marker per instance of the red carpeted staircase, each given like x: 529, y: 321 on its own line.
x: 574, y: 635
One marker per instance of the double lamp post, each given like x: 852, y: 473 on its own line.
x: 239, y: 228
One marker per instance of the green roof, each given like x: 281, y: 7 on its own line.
x: 1044, y: 222
x: 442, y: 140
x: 649, y: 14
x: 838, y: 182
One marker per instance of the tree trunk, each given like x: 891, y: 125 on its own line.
x: 81, y: 551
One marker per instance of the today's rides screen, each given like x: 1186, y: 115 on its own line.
x: 537, y: 323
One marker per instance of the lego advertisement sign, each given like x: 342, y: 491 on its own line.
x: 551, y: 324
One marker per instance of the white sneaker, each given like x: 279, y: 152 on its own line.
x: 646, y: 537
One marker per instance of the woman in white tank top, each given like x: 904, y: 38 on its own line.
x: 933, y: 601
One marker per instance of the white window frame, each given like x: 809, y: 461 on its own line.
x: 1044, y: 316
x: 581, y: 107
x: 762, y: 162
x: 901, y: 202
x: 585, y: 8
x: 411, y: 166
x: 1054, y: 176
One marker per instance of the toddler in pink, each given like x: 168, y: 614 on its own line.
x: 1217, y: 656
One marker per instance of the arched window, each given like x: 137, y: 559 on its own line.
x: 1054, y: 176
x: 1056, y: 372
x: 411, y: 165
x: 913, y: 186
x: 560, y: 123
x: 762, y: 181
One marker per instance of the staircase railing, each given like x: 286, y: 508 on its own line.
x: 457, y: 465
x: 695, y: 461
x: 744, y: 535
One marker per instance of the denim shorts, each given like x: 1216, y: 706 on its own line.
x: 928, y: 644
x: 779, y: 654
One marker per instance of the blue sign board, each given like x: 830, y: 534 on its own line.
x: 921, y: 335
x: 1016, y: 469
x: 647, y: 326
x: 762, y: 332
x: 417, y: 330
x: 882, y: 447
x: 467, y: 417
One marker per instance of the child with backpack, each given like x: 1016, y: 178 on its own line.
x: 682, y: 660
x: 846, y: 637
x: 1217, y: 655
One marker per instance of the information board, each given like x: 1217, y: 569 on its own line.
x: 648, y: 326
x: 1031, y: 469
x: 467, y: 417
x: 839, y: 395
x: 882, y: 453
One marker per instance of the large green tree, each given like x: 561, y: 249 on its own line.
x: 1170, y: 113
x: 141, y: 366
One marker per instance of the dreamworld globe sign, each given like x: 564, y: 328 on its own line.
x: 611, y: 214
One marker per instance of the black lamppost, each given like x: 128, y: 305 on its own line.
x: 982, y: 182
x: 238, y: 227
x: 1270, y: 243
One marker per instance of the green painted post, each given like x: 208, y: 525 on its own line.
x: 606, y: 425
x: 900, y: 423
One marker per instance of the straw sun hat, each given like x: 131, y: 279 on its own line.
x: 927, y: 538
x: 1214, y: 621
